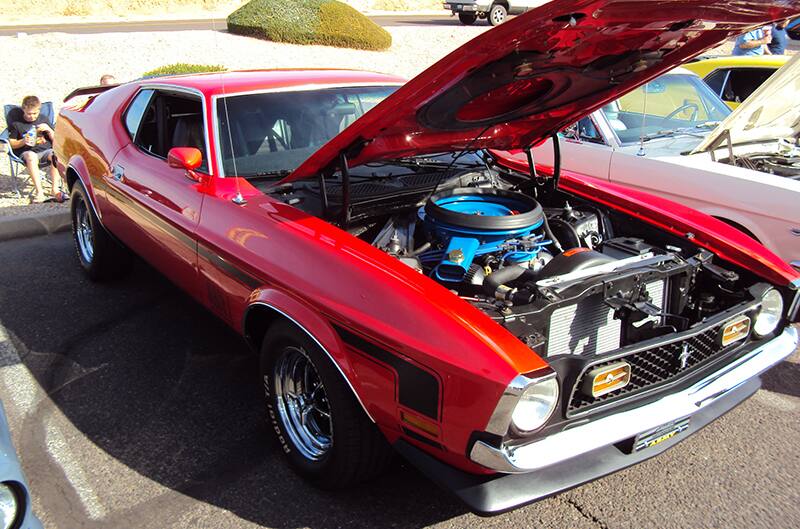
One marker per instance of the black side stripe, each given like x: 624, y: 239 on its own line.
x: 185, y: 239
x: 417, y: 389
x: 239, y: 274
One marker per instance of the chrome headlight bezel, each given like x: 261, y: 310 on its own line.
x: 10, y: 505
x: 769, y: 314
x: 501, y: 422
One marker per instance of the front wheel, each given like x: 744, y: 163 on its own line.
x: 100, y: 256
x: 467, y: 18
x: 322, y: 429
x: 497, y: 14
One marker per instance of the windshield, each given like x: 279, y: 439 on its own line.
x: 273, y: 133
x: 671, y: 104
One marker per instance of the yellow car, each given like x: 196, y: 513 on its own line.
x: 734, y: 78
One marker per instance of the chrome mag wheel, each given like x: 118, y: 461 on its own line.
x: 83, y: 231
x: 303, y: 404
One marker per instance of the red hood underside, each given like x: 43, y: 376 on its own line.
x: 519, y: 83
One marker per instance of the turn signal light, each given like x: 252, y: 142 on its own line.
x: 735, y: 330
x: 605, y: 379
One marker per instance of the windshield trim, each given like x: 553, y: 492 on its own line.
x: 296, y: 88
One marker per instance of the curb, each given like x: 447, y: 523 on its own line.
x: 22, y: 226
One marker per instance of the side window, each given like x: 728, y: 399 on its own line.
x: 744, y: 82
x: 172, y: 120
x: 588, y: 132
x: 716, y: 79
x: 133, y: 116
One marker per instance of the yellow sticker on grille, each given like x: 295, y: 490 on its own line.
x: 605, y: 379
x: 735, y: 330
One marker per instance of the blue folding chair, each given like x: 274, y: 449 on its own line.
x: 13, y: 159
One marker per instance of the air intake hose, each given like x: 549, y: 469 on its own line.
x: 495, y: 285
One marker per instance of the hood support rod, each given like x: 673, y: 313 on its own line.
x: 345, y: 190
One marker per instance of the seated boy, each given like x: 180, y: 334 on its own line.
x: 32, y: 140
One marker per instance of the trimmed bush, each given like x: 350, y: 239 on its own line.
x: 183, y: 67
x: 325, y: 22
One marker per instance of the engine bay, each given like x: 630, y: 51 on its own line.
x: 566, y: 276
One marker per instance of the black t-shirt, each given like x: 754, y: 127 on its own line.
x: 18, y: 127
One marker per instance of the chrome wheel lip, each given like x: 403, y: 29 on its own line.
x: 83, y: 231
x: 302, y: 404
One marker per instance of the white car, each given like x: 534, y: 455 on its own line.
x: 675, y: 138
x: 495, y: 11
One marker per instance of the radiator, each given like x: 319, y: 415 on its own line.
x: 589, y: 327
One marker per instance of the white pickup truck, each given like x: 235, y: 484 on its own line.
x: 495, y: 11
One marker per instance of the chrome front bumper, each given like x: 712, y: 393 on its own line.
x: 612, y: 429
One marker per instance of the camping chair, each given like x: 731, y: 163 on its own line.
x: 13, y: 159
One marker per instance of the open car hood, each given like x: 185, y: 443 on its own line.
x: 769, y: 114
x: 519, y: 83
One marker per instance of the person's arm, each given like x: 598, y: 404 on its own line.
x: 44, y: 128
x: 16, y: 144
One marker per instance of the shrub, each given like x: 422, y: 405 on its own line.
x: 182, y: 67
x: 326, y: 22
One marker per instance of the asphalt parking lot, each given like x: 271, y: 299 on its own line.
x: 130, y: 406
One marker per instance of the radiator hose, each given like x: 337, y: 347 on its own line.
x: 495, y: 285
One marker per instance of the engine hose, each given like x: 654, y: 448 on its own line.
x: 495, y: 285
x: 551, y: 236
x: 420, y: 250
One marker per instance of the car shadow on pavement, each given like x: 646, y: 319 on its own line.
x: 782, y: 379
x: 170, y: 392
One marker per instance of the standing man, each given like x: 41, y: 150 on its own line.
x: 32, y: 140
x: 779, y: 38
x: 753, y: 42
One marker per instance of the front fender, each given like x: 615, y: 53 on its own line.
x: 313, y: 324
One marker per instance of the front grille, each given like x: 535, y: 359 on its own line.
x: 654, y: 366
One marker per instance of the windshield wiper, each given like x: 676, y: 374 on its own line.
x: 268, y: 174
x: 689, y: 131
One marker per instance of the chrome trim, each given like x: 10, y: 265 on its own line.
x: 794, y: 306
x: 297, y: 88
x: 624, y: 425
x: 279, y: 311
x: 88, y: 193
x: 500, y: 421
x: 185, y: 90
x: 796, y: 264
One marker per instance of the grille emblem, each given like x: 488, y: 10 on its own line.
x: 686, y: 353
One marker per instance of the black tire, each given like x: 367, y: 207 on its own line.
x: 357, y: 452
x: 467, y: 18
x: 497, y: 14
x: 100, y: 256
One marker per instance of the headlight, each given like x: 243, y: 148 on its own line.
x: 8, y: 506
x: 535, y: 405
x: 769, y: 315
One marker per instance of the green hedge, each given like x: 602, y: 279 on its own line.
x: 183, y: 67
x: 325, y: 22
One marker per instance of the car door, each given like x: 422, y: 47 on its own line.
x: 155, y: 207
x: 734, y: 85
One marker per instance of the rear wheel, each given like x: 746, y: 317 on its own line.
x: 100, y: 256
x: 467, y: 18
x: 497, y: 14
x: 326, y: 436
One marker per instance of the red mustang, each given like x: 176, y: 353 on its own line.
x: 408, y: 284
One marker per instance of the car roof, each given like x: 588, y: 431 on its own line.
x: 218, y: 83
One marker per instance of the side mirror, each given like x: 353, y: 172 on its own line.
x: 187, y: 158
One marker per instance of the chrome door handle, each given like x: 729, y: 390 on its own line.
x: 118, y: 172
x: 795, y: 231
